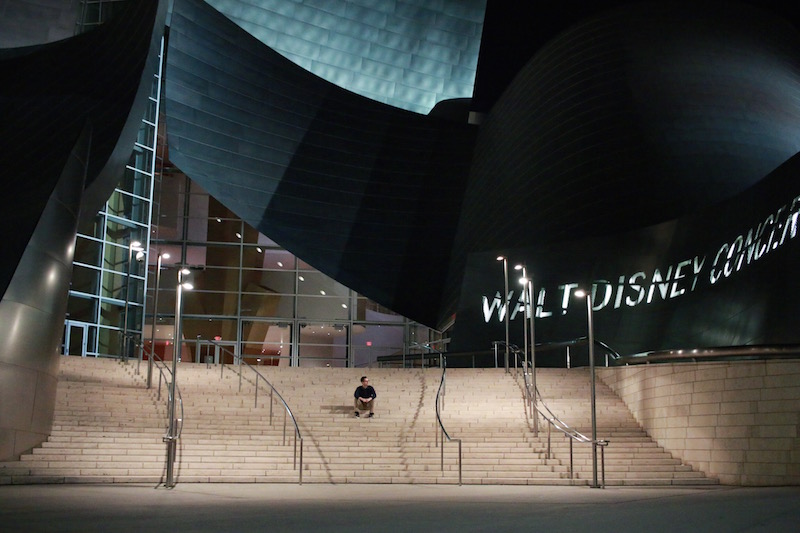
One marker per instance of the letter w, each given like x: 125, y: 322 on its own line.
x: 498, y: 304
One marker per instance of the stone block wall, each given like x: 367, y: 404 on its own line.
x: 738, y: 421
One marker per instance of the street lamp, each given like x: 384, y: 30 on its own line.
x: 504, y: 259
x: 527, y: 282
x: 137, y: 246
x: 155, y: 320
x: 172, y: 435
x: 580, y: 294
x: 524, y: 281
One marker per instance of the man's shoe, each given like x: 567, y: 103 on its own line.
x: 357, y: 415
x: 370, y: 415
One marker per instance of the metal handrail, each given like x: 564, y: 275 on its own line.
x: 298, y: 437
x: 440, y: 401
x: 174, y: 427
x: 162, y: 367
x: 573, y: 434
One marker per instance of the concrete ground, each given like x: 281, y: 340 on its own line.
x: 394, y: 508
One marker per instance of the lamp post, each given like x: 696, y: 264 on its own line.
x: 504, y: 259
x: 590, y: 323
x: 155, y: 320
x: 172, y: 435
x: 527, y: 282
x: 134, y: 245
x: 533, y: 353
x: 524, y: 281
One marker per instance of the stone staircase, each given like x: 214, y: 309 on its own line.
x: 108, y: 428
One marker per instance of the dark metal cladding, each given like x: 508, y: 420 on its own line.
x: 366, y: 193
x: 70, y: 112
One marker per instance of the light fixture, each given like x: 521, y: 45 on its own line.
x: 322, y: 293
x: 504, y: 259
x: 280, y: 264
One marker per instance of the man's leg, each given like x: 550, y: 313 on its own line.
x: 371, y: 405
x: 357, y: 406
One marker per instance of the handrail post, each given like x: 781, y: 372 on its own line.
x: 301, y: 460
x: 571, y: 464
x: 459, y: 461
x: 442, y: 449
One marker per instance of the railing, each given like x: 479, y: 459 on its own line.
x: 174, y: 426
x: 298, y: 438
x: 539, y: 407
x: 440, y: 404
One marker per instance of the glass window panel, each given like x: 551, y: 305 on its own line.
x: 113, y: 285
x: 268, y: 305
x: 223, y: 230
x: 108, y: 341
x: 145, y: 135
x: 85, y: 279
x: 88, y: 251
x: 93, y: 227
x: 267, y: 343
x: 82, y: 309
x: 209, y: 303
x: 195, y: 255
x: 199, y: 229
x: 261, y: 281
x: 322, y: 308
x: 122, y: 234
x: 318, y: 284
x: 209, y: 328
x: 268, y: 259
x: 222, y: 256
x: 376, y: 340
x: 216, y: 279
x: 323, y: 344
x: 141, y: 159
x: 111, y: 313
x: 169, y: 227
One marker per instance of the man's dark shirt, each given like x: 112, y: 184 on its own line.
x: 364, y: 392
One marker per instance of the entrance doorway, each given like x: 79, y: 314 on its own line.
x: 76, y: 338
x: 212, y: 352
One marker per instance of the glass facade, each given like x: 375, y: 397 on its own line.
x: 250, y: 297
x: 109, y: 275
x: 253, y: 297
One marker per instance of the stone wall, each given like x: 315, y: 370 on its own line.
x: 737, y: 421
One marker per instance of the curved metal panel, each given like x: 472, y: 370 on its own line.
x: 633, y: 117
x: 366, y: 193
x: 408, y: 54
x: 70, y: 116
x: 32, y: 313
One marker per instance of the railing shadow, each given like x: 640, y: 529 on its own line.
x: 273, y: 392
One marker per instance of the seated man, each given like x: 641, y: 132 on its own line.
x: 365, y: 397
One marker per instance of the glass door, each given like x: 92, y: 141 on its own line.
x: 76, y: 336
